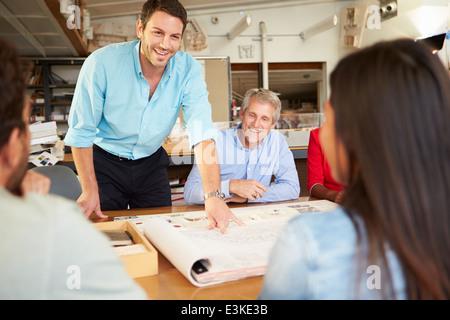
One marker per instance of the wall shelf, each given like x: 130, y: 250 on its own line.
x: 49, y: 82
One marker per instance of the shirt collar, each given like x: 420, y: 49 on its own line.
x: 138, y: 67
x: 137, y: 62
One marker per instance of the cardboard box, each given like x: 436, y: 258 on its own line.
x: 137, y: 265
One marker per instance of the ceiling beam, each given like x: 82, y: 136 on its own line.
x: 73, y: 35
x: 114, y: 9
x: 109, y: 4
x: 4, y: 11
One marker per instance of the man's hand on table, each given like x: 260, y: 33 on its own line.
x: 90, y: 202
x: 219, y: 215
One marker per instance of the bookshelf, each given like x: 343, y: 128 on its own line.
x: 51, y: 95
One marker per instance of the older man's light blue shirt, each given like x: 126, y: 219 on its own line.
x: 272, y: 157
x: 111, y: 106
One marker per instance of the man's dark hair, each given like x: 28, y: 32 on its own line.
x: 12, y: 86
x: 172, y: 7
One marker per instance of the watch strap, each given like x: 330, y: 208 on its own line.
x: 215, y: 193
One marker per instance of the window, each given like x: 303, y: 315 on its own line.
x: 301, y: 86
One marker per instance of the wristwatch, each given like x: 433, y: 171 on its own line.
x: 215, y: 193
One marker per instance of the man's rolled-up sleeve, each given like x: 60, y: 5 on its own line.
x: 87, y: 105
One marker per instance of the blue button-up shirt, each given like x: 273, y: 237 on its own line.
x: 271, y: 157
x: 111, y: 106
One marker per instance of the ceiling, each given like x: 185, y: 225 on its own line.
x: 31, y: 26
x: 112, y: 8
x: 38, y: 29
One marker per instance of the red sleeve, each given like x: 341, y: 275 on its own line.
x: 314, y: 160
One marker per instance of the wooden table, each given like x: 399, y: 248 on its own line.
x: 170, y: 284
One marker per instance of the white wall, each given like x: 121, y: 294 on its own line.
x: 284, y: 24
x: 285, y: 20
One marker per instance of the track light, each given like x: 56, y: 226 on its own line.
x: 319, y: 27
x: 388, y: 9
x: 243, y: 24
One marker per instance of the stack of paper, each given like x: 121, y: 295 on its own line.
x: 207, y: 257
x: 45, y: 143
x: 43, y: 133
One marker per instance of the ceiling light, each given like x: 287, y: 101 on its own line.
x: 243, y: 24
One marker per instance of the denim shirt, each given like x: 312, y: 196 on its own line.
x: 316, y: 258
x: 111, y: 105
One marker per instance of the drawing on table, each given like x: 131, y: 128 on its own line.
x: 240, y: 253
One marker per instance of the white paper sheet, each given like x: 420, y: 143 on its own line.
x: 240, y: 253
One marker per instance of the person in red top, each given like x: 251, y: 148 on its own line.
x: 320, y: 183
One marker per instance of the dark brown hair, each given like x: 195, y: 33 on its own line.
x: 392, y: 112
x: 172, y: 7
x: 12, y: 86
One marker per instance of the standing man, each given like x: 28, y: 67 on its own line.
x: 125, y: 104
x: 250, y: 154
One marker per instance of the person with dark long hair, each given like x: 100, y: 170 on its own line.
x: 387, y: 138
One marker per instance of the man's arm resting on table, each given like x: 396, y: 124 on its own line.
x: 247, y: 189
x: 216, y: 209
x: 89, y: 200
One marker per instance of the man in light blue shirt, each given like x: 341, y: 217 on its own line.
x: 126, y: 103
x: 250, y: 154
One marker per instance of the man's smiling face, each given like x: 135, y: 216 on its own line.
x: 161, y: 38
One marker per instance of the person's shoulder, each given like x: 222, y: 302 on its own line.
x: 226, y: 136
x: 60, y: 211
x: 227, y: 131
x: 312, y: 217
x: 183, y: 55
x: 184, y: 61
x: 329, y: 225
x: 275, y: 134
x: 279, y: 138
x: 65, y: 220
x: 314, y: 134
x: 43, y: 215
